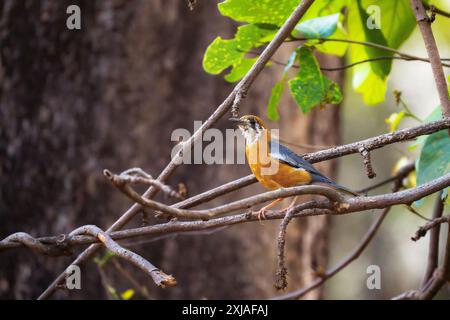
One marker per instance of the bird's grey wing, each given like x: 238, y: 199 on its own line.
x: 284, y: 154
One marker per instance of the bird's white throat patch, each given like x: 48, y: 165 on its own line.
x: 250, y: 135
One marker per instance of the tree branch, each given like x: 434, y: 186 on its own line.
x: 433, y: 248
x: 440, y: 276
x: 424, y: 24
x: 309, y: 208
x: 379, y: 141
x: 160, y: 278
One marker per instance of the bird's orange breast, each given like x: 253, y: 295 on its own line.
x: 272, y: 173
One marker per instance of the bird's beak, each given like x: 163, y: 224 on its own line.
x: 236, y: 120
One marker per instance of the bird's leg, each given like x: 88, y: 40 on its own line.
x: 262, y: 211
x: 291, y: 205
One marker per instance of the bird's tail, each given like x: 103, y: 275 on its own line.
x: 323, y: 179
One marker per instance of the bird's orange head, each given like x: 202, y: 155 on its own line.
x: 252, y: 127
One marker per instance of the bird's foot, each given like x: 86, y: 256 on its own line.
x: 261, y: 213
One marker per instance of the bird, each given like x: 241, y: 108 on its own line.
x: 274, y: 165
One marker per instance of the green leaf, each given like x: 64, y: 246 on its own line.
x: 324, y: 8
x: 250, y: 35
x: 369, y: 79
x: 307, y: 87
x: 278, y: 88
x: 434, y: 159
x: 240, y: 69
x: 127, y: 294
x: 222, y: 54
x: 261, y: 11
x: 397, y: 20
x: 274, y: 100
x: 333, y: 93
x: 321, y: 27
x: 394, y: 120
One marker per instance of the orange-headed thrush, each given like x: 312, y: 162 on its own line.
x: 273, y: 164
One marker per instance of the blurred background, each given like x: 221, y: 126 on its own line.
x: 109, y: 96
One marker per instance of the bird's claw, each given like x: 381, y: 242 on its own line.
x: 261, y: 215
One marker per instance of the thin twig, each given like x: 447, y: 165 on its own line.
x: 407, y: 56
x: 351, y: 65
x: 436, y: 10
x: 365, y: 154
x: 440, y: 276
x: 434, y: 224
x: 139, y: 176
x: 402, y: 173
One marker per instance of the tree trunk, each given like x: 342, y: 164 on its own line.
x: 74, y: 102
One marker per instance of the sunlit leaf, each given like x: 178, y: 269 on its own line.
x: 369, y: 79
x: 222, y: 54
x: 261, y: 11
x: 396, y: 18
x: 324, y: 8
x: 240, y: 69
x: 394, y: 120
x: 250, y: 35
